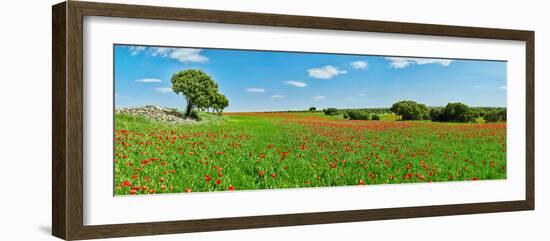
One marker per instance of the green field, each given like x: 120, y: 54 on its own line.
x: 245, y: 151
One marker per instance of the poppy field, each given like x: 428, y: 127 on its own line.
x: 250, y: 151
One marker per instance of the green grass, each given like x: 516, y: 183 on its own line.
x: 301, y: 149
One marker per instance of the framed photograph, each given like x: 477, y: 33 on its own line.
x: 171, y: 120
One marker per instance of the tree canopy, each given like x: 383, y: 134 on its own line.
x: 199, y: 90
x: 331, y: 111
x: 410, y: 110
x: 453, y: 112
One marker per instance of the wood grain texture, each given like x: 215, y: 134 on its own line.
x: 58, y: 121
x: 67, y: 150
x: 74, y: 110
x: 530, y: 120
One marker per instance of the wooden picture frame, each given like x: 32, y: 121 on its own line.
x: 67, y: 124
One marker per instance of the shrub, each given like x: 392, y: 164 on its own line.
x: 345, y: 115
x: 502, y: 114
x: 477, y: 113
x: 331, y: 111
x: 493, y: 116
x: 435, y: 114
x: 195, y: 115
x: 426, y: 116
x: 312, y: 109
x: 358, y: 115
x: 375, y: 117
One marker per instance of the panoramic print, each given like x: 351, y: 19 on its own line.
x: 203, y: 120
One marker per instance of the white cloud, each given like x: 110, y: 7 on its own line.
x: 159, y: 51
x: 359, y: 64
x: 362, y: 95
x: 188, y: 55
x: 325, y: 72
x: 296, y: 83
x: 502, y: 87
x: 255, y: 90
x: 122, y: 97
x: 135, y: 50
x: 183, y: 55
x: 164, y: 89
x: 349, y: 98
x: 277, y: 96
x: 399, y: 62
x: 148, y: 80
x: 319, y: 97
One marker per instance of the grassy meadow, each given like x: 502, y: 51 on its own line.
x: 248, y: 151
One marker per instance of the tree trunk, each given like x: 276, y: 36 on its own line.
x: 189, y: 108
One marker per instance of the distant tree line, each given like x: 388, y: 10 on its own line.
x: 452, y: 112
x: 411, y: 110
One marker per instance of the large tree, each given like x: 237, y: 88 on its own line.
x: 410, y: 110
x: 199, y: 89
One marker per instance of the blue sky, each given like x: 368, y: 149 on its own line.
x: 272, y: 81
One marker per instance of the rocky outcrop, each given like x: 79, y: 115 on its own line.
x: 157, y: 113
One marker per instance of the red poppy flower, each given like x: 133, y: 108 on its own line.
x: 273, y: 175
x: 207, y: 177
x: 127, y: 183
x: 231, y: 188
x: 134, y: 176
x: 284, y: 155
x: 218, y: 182
x: 133, y: 192
x: 261, y: 173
